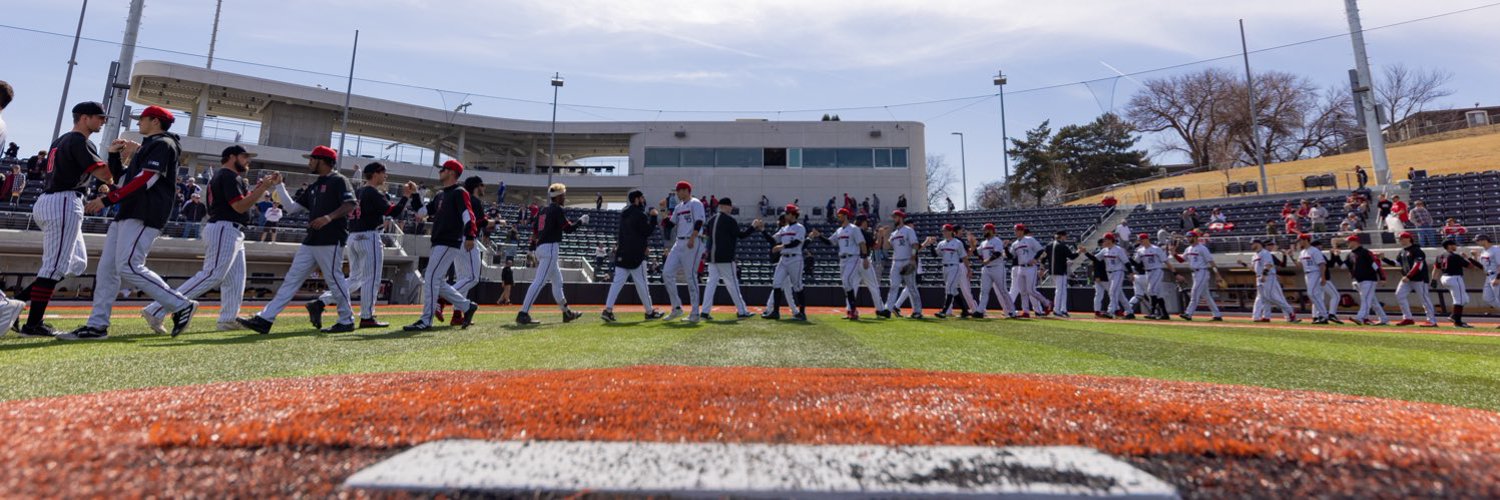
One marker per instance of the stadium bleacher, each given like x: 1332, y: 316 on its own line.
x: 1467, y: 198
x: 1248, y: 218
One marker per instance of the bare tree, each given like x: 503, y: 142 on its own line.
x: 1190, y: 107
x: 1405, y: 91
x: 994, y: 194
x: 940, y: 181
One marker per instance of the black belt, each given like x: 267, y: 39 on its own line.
x: 845, y: 256
x: 73, y: 191
x: 236, y: 225
x: 949, y: 265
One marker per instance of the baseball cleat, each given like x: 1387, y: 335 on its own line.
x: 1335, y: 319
x: 1130, y: 316
x: 744, y: 315
x: 154, y: 322
x: 705, y: 317
x: 438, y: 314
x: 609, y: 316
x: 1428, y: 324
x: 315, y: 312
x: 569, y: 315
x: 653, y: 315
x: 339, y: 328
x: 229, y: 326
x: 372, y: 323
x: 474, y: 308
x: 915, y: 315
x: 800, y: 316
x: 883, y: 314
x: 458, y: 319
x: 183, y: 317
x: 1185, y: 317
x: 776, y: 315
x: 676, y: 313
x: 1262, y: 320
x: 522, y: 318
x: 1405, y: 322
x: 85, y: 333
x: 422, y: 327
x: 978, y: 315
x: 256, y: 324
x: 940, y: 315
x: 1217, y: 318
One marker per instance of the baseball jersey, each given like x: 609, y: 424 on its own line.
x: 453, y: 219
x: 1151, y: 257
x: 153, y: 205
x: 848, y: 239
x: 1025, y: 250
x: 1312, y: 260
x: 226, y: 188
x: 1452, y: 264
x: 1263, y: 263
x: 1199, y: 258
x: 951, y: 251
x: 992, y: 252
x: 685, y: 216
x: 789, y: 235
x: 70, y: 162
x: 1114, y: 259
x: 323, y: 197
x: 372, y: 208
x: 1490, y: 260
x: 903, y: 240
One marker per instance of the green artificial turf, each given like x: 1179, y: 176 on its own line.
x: 1456, y: 370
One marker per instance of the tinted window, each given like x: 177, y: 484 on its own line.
x: 820, y: 158
x: 663, y: 157
x: 898, y: 157
x: 855, y: 158
x: 698, y: 157
x: 739, y: 157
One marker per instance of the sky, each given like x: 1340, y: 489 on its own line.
x: 775, y: 59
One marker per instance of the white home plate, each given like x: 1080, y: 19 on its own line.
x: 758, y: 470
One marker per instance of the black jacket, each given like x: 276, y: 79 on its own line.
x: 1362, y: 264
x: 635, y: 229
x: 724, y: 234
x: 1057, y: 254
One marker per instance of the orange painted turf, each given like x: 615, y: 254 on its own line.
x: 304, y: 436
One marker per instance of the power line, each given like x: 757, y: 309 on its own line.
x: 777, y: 111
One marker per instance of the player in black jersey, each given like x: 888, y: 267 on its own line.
x: 455, y: 230
x: 327, y: 201
x: 366, y: 250
x: 72, y: 162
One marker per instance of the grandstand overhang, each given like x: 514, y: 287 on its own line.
x: 766, y: 155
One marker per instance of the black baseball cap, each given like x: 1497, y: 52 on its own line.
x: 725, y: 201
x: 90, y: 108
x: 373, y: 168
x: 1450, y: 242
x: 473, y: 182
x: 234, y: 150
x: 1482, y: 237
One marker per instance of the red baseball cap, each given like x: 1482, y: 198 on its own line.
x: 157, y: 112
x: 1143, y: 236
x: 685, y: 185
x: 846, y: 212
x: 1406, y: 235
x: 989, y: 227
x: 1304, y: 236
x: 1194, y: 233
x: 1109, y: 236
x: 948, y: 227
x: 1352, y: 237
x: 454, y: 165
x: 792, y: 209
x: 898, y: 213
x: 324, y: 153
x: 1020, y: 227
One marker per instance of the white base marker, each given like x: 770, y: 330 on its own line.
x: 758, y: 470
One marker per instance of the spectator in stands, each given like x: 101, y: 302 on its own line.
x: 1303, y: 208
x: 598, y: 201
x: 36, y: 163
x: 601, y: 254
x: 1400, y: 210
x: 671, y: 202
x: 273, y: 216
x: 261, y: 207
x: 1411, y: 173
x: 1109, y: 201
x: 1351, y: 224
x: 901, y: 203
x: 1385, y: 206
x: 1452, y: 230
x: 849, y: 202
x: 1217, y: 217
x: 1291, y: 225
x: 12, y: 151
x: 17, y: 182
x: 300, y: 190
x: 864, y: 207
x: 828, y: 209
x: 1163, y: 236
x: 950, y: 204
x: 874, y: 208
x: 1319, y: 217
x: 507, y: 280
x: 532, y: 210
x: 1360, y: 176
x: 500, y: 194
x: 193, y: 213
x: 1424, y: 223
x: 765, y: 206
x: 5, y: 183
x: 1272, y: 227
x: 1189, y: 220
x: 1286, y: 209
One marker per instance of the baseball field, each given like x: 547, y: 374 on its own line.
x: 1221, y: 408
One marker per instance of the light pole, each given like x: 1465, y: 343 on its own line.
x: 963, y: 162
x: 557, y: 83
x: 72, y: 61
x: 1004, y: 136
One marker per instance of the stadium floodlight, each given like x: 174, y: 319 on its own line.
x: 557, y: 83
x: 1000, y: 80
x: 963, y: 162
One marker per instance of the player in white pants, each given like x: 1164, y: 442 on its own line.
x: 1115, y: 259
x: 144, y: 199
x: 1488, y: 258
x: 723, y: 233
x: 1415, y: 275
x: 636, y: 226
x: 866, y: 274
x: 952, y: 253
x: 1366, y: 270
x: 790, y: 240
x: 1024, y: 276
x: 72, y: 162
x: 1152, y: 261
x: 223, y: 241
x: 851, y: 245
x: 1268, y: 291
x: 1057, y: 259
x: 992, y: 273
x: 682, y: 256
x: 1452, y: 264
x: 1201, y: 261
x: 903, y: 273
x: 551, y: 223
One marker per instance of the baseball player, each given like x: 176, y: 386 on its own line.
x: 71, y: 162
x: 1414, y: 278
x: 468, y: 267
x: 724, y: 234
x: 903, y: 274
x: 1152, y: 261
x: 551, y: 223
x: 10, y: 310
x: 851, y: 243
x: 1201, y: 261
x: 1452, y: 265
x: 1057, y: 259
x: 636, y: 226
x: 867, y: 275
x: 681, y: 258
x: 951, y: 253
x: 992, y: 275
x: 366, y: 251
x: 788, y: 275
x: 1366, y: 270
x: 1489, y: 261
x: 1023, y: 277
x: 455, y: 232
x: 1114, y: 259
x: 327, y: 201
x: 1268, y: 291
x: 229, y: 201
x: 145, y: 203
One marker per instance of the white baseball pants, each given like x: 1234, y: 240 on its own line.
x: 366, y: 259
x: 124, y: 260
x: 223, y: 268
x: 60, y: 215
x: 682, y: 261
x: 636, y: 274
x: 722, y: 271
x: 328, y: 261
x: 547, y: 270
x: 1403, y: 298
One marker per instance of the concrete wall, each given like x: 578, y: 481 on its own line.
x: 296, y: 127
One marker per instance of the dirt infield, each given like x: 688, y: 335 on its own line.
x: 304, y: 436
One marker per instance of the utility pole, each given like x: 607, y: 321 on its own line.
x: 348, y: 92
x: 116, y: 104
x: 1260, y: 156
x: 1365, y: 91
x: 68, y: 81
